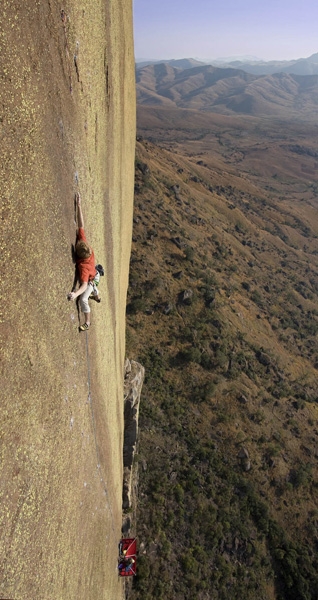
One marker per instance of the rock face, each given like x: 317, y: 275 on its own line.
x: 134, y: 377
x: 67, y: 125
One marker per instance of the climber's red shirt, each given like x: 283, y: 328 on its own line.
x: 85, y: 266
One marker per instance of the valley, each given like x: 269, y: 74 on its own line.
x: 223, y: 313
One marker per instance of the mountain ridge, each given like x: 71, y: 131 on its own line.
x: 228, y: 91
x: 179, y: 63
x: 300, y: 66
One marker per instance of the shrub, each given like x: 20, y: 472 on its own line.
x: 189, y: 253
x: 135, y: 306
x: 301, y: 476
x: 190, y: 355
x: 257, y: 298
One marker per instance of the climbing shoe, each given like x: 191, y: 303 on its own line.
x: 96, y: 298
x: 84, y: 327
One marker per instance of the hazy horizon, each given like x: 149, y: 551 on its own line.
x: 273, y: 30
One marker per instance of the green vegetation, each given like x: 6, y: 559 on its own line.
x: 227, y: 474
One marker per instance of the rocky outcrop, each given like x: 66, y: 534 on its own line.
x: 244, y: 457
x: 133, y: 380
x: 176, y: 190
x: 186, y: 296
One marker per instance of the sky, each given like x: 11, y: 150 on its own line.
x: 210, y: 29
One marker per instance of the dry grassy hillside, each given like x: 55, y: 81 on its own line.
x: 67, y: 124
x: 223, y: 313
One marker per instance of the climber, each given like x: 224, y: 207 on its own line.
x: 85, y: 264
x: 127, y: 557
x: 127, y: 564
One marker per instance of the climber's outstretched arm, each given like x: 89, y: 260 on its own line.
x: 80, y: 218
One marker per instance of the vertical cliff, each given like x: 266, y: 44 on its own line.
x: 67, y: 100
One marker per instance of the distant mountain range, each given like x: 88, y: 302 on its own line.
x: 300, y: 66
x: 181, y: 63
x: 228, y: 90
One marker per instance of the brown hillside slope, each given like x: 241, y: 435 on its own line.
x: 223, y: 314
x: 67, y: 124
x: 262, y: 149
